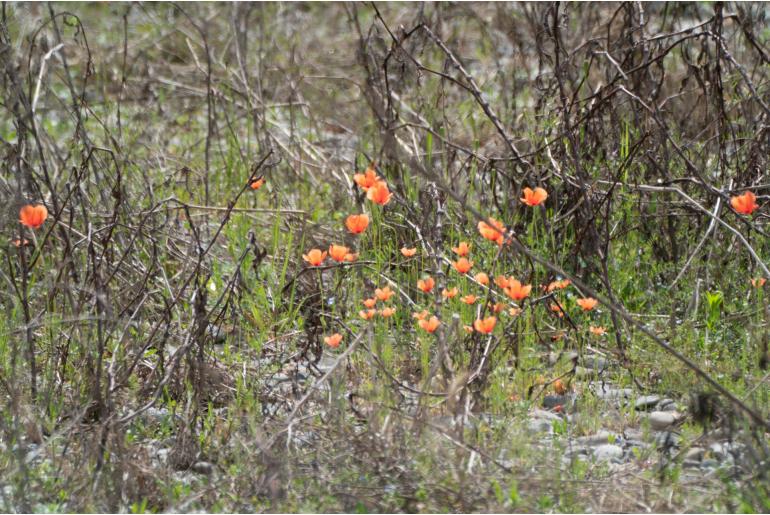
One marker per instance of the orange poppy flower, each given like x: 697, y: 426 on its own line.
x: 587, y: 303
x: 384, y: 294
x: 497, y: 307
x: 430, y: 325
x: 534, y: 198
x: 557, y: 309
x: 25, y: 242
x: 333, y: 341
x: 558, y: 285
x: 449, y: 294
x: 370, y: 303
x: 462, y: 265
x: 756, y: 283
x: 462, y: 250
x: 315, y: 257
x: 468, y: 329
x: 557, y: 336
x: 744, y: 204
x: 387, y: 312
x: 597, y: 330
x: 367, y: 314
x: 367, y: 179
x: 350, y: 257
x: 481, y: 278
x: 492, y: 231
x: 516, y: 290
x: 33, y: 216
x: 379, y: 193
x: 357, y: 223
x: 257, y: 183
x: 486, y: 325
x: 422, y: 315
x: 338, y: 252
x: 558, y: 387
x: 426, y: 284
x: 468, y: 299
x: 502, y: 281
x: 407, y: 252
x: 514, y: 311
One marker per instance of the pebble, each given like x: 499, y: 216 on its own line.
x: 543, y: 414
x: 660, y: 420
x: 551, y: 401
x: 202, y: 467
x: 596, y: 363
x: 600, y: 438
x: 646, y: 402
x: 608, y: 452
x: 540, y: 425
x: 695, y: 453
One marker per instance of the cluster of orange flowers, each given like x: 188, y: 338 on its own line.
x: 493, y: 230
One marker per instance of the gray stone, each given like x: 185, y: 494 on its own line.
x: 660, y: 420
x: 202, y: 467
x: 646, y: 402
x: 600, y: 438
x: 608, y: 452
x: 551, y: 401
x: 543, y: 414
x: 595, y: 362
x: 695, y: 453
x: 540, y: 425
x: 666, y: 405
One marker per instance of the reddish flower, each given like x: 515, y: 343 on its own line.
x: 315, y: 257
x: 481, y: 278
x: 334, y: 340
x: 534, y: 198
x: 558, y: 285
x: 387, y: 312
x: 587, y: 303
x: 497, y: 307
x: 516, y: 290
x: 18, y: 243
x: 493, y: 230
x: 407, y: 252
x: 257, y: 183
x: 367, y: 314
x: 597, y: 330
x: 384, y: 294
x: 558, y: 387
x: 557, y: 309
x: 350, y: 257
x: 430, y: 325
x: 449, y: 294
x: 468, y: 299
x: 422, y: 315
x: 514, y: 311
x: 502, y: 281
x: 33, y: 216
x: 756, y: 283
x: 462, y: 265
x: 379, y: 193
x: 486, y: 325
x: 462, y: 250
x: 744, y: 204
x: 370, y: 303
x: 367, y: 179
x: 426, y: 284
x: 338, y: 252
x: 357, y: 223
